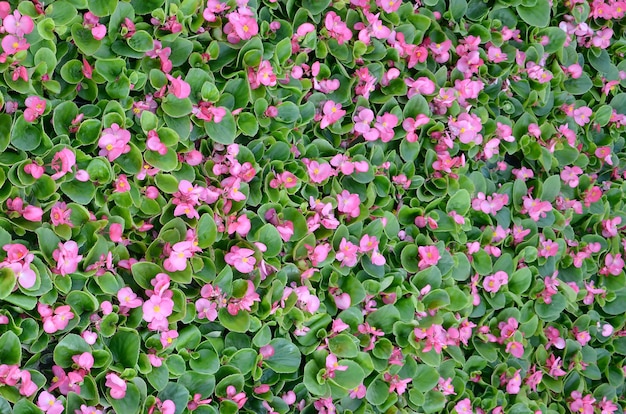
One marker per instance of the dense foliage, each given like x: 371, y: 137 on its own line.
x: 312, y: 206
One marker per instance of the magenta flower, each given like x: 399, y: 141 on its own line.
x: 67, y: 258
x: 116, y: 386
x: 332, y: 113
x: 241, y: 258
x: 114, y: 142
x: 178, y: 87
x: 35, y: 107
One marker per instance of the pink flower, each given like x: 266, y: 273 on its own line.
x: 240, y: 226
x: 337, y: 29
x: 466, y: 127
x: 84, y: 361
x: 128, y: 298
x: 241, y: 25
x: 49, y: 404
x: 206, y: 309
x: 153, y: 143
x: 121, y: 184
x: 385, y: 125
x: 429, y: 256
x: 214, y: 7
x: 464, y: 407
x: 26, y: 277
x: 358, y: 392
x: 17, y: 24
x: 35, y: 107
x: 332, y: 113
x: 56, y: 320
x: 178, y: 87
x: 604, y: 153
x: 493, y: 283
x: 583, y: 405
x: 241, y: 258
x: 582, y: 115
x: 570, y: 175
x: 347, y: 253
x: 265, y: 75
x: 349, y: 204
x: 609, y: 227
x: 614, y: 264
x: 35, y: 170
x: 515, y: 348
x: 114, y: 142
x: 67, y: 258
x: 157, y: 308
x: 116, y: 385
x: 389, y: 6
x: 332, y: 365
x: 87, y: 410
x: 285, y: 230
x: 13, y: 44
x: 167, y: 337
x: 177, y: 260
x: 536, y: 208
x: 396, y: 384
x: 60, y: 214
x: 319, y: 172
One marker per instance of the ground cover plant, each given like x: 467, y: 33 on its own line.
x: 317, y: 206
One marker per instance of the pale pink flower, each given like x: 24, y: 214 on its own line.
x: 13, y: 44
x: 347, y: 253
x: 84, y: 361
x: 241, y: 258
x: 157, y: 308
x: 349, y: 204
x: 128, y: 298
x: 17, y: 24
x: 493, y: 283
x: 337, y: 29
x: 582, y: 115
x: 385, y: 125
x: 515, y: 348
x: 49, y: 404
x: 389, y: 6
x: 241, y: 25
x: 570, y: 175
x: 319, y: 172
x: 332, y: 365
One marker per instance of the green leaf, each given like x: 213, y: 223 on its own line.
x: 10, y: 349
x: 62, y: 117
x: 618, y: 305
x: 351, y: 377
x: 7, y: 282
x: 458, y: 8
x: 166, y: 162
x: 286, y: 358
x: 459, y: 202
x: 384, y: 318
x: 110, y: 69
x: 24, y: 406
x: 206, y: 230
x: 236, y: 323
x: 578, y: 86
x: 550, y: 188
x: 520, y: 280
x: 79, y: 192
x: 102, y: 8
x: 131, y: 403
x: 377, y: 392
x: 434, y: 402
x: 425, y: 378
x: 176, y: 393
x: 144, y: 272
x: 69, y: 346
x: 223, y: 132
x: 343, y: 346
x: 537, y: 15
x: 409, y: 258
x: 84, y: 40
x: 25, y: 136
x: 176, y: 108
x: 248, y: 124
x: 141, y: 41
x: 270, y: 237
x: 207, y: 362
x: 315, y: 6
x: 125, y: 346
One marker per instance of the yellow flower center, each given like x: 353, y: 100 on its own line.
x: 109, y: 147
